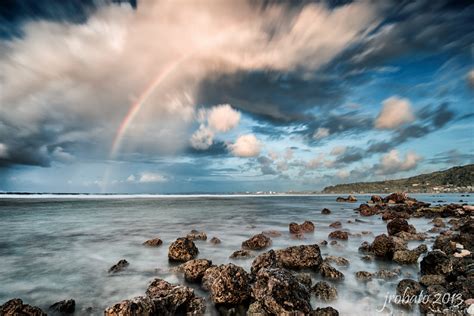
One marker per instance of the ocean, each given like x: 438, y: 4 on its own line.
x: 60, y: 247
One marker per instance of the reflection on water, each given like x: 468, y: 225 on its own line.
x: 54, y: 249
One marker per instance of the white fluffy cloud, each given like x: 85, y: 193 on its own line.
x: 246, y: 146
x: 150, y: 177
x: 202, y: 138
x: 391, y: 162
x: 223, y: 118
x: 321, y: 133
x: 395, y: 112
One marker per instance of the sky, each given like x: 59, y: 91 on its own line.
x: 231, y: 96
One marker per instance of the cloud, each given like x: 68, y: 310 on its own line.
x: 321, y: 132
x: 338, y: 150
x: 470, y: 78
x: 246, y: 146
x: 392, y: 163
x: 203, y: 138
x: 150, y: 177
x: 223, y: 118
x: 3, y: 151
x: 395, y: 112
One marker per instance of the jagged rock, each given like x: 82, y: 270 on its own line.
x: 241, y: 254
x: 365, y: 247
x: 196, y: 235
x: 436, y: 262
x: 408, y: 289
x: 387, y: 274
x: 279, y: 292
x: 327, y: 271
x: 304, y: 278
x: 392, y: 214
x: 324, y: 243
x: 15, y: 307
x: 350, y: 198
x: 229, y: 284
x: 376, y: 199
x: 324, y: 291
x: 382, y: 246
x: 432, y: 279
x: 335, y: 225
x: 64, y: 307
x: 367, y: 210
x: 215, y: 241
x: 208, y: 278
x: 364, y: 275
x: 325, y: 311
x: 119, y: 266
x: 395, y: 198
x: 339, y: 234
x: 257, y: 242
x: 411, y: 236
x: 294, y: 228
x: 182, y: 250
x: 406, y: 256
x: 438, y: 222
x: 367, y: 258
x: 307, y: 227
x: 340, y: 261
x: 194, y: 269
x: 155, y: 242
x: 398, y: 225
x: 299, y: 257
x: 325, y: 211
x: 133, y: 307
x: 432, y: 303
x: 265, y: 261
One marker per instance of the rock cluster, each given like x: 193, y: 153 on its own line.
x: 16, y: 307
x: 257, y: 242
x: 350, y: 198
x: 182, y: 250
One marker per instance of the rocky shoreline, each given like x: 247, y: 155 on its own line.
x: 280, y: 280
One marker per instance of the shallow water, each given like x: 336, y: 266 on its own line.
x: 55, y: 248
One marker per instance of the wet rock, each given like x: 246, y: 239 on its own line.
x: 398, y: 225
x: 432, y: 279
x: 323, y: 243
x: 304, y: 278
x: 155, y: 242
x: 325, y: 311
x: 182, y: 250
x: 196, y: 235
x: 376, y: 199
x: 333, y: 243
x: 444, y: 244
x: 326, y: 211
x: 433, y: 305
x: 392, y: 214
x: 367, y: 258
x: 335, y: 225
x: 298, y: 236
x: 363, y: 275
x: 462, y: 253
x: 307, y: 227
x: 15, y: 307
x: 329, y: 272
x: 382, y: 246
x: 408, y: 289
x: 365, y: 247
x: 194, y: 269
x: 406, y: 256
x: 272, y: 233
x: 64, y: 307
x: 119, y: 266
x: 300, y: 257
x: 278, y: 292
x: 411, y: 236
x: 324, y: 291
x: 438, y: 222
x: 257, y: 242
x: 340, y: 261
x: 294, y: 228
x: 208, y: 278
x: 229, y: 284
x: 387, y: 274
x: 436, y: 262
x: 395, y: 198
x: 339, y: 234
x: 367, y: 210
x: 265, y: 261
x: 256, y: 309
x: 215, y: 241
x: 350, y: 198
x: 241, y: 254
x: 133, y: 307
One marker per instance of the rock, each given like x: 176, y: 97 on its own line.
x: 438, y: 222
x: 307, y: 227
x: 335, y: 225
x: 432, y: 279
x: 194, y: 269
x: 325, y: 211
x: 256, y: 309
x: 155, y: 242
x: 367, y: 258
x: 391, y: 214
x: 339, y: 234
x: 366, y: 210
x: 196, y: 235
x: 363, y: 275
x: 15, y: 307
x: 462, y: 253
x: 327, y: 271
x: 470, y: 310
x: 294, y: 228
x: 272, y: 233
x: 215, y: 241
x: 182, y: 250
x: 365, y: 247
x: 257, y: 242
x: 382, y: 246
x: 398, y: 225
x: 304, y: 278
x: 432, y: 304
x: 340, y: 261
x: 325, y: 311
x: 324, y: 291
x: 300, y: 257
x: 406, y: 256
x: 436, y: 262
x: 279, y: 292
x: 411, y: 236
x: 119, y: 266
x: 265, y: 261
x: 333, y: 243
x: 408, y: 289
x: 208, y: 278
x: 241, y: 254
x: 350, y: 198
x: 323, y: 243
x: 133, y: 307
x: 229, y: 285
x: 387, y: 274
x: 64, y: 307
x: 376, y: 199
x: 395, y: 198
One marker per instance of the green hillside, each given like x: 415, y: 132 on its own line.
x: 456, y: 179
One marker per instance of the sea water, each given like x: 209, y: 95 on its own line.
x: 60, y: 247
